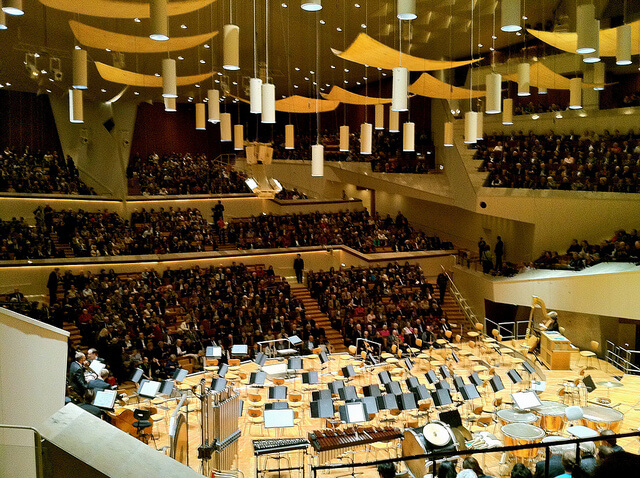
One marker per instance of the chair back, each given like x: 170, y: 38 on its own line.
x: 234, y: 362
x: 479, y: 327
x: 595, y: 346
x: 448, y: 334
x: 352, y: 349
x: 419, y: 343
x: 141, y: 414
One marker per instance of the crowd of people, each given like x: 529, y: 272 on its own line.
x: 392, y: 305
x: 569, y: 162
x: 40, y: 172
x: 174, y: 174
x: 288, y: 194
x: 531, y: 108
x: 22, y: 241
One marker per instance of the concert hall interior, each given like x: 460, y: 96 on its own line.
x: 267, y: 239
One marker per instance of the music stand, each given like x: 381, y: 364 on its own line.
x: 370, y: 405
x: 589, y: 384
x: 348, y: 371
x: 241, y: 407
x: 475, y: 379
x: 455, y: 356
x: 222, y: 371
x: 469, y: 392
x: 148, y: 388
x: 393, y: 387
x: 279, y: 419
x: 538, y: 385
x: 372, y: 390
x: 412, y: 382
x: 318, y: 395
x: 310, y: 378
x: 218, y: 384
x: 526, y: 400
x: 451, y: 418
x: 347, y: 393
x: 279, y: 392
x: 322, y: 409
x: 407, y: 363
x: 213, y: 352
x: 387, y: 402
x: 166, y: 387
x: 442, y: 385
x: 260, y: 359
x: 294, y: 363
x: 239, y: 350
x: 137, y: 375
x: 444, y: 371
x: 431, y: 377
x: 406, y: 401
x: 257, y: 378
x: 421, y: 392
x: 496, y: 383
x: 441, y: 397
x: 276, y: 406
x: 384, y: 377
x: 514, y: 376
x: 180, y: 374
x: 335, y: 386
x: 353, y: 412
x: 294, y: 340
x: 105, y: 399
x: 527, y: 367
x: 458, y: 382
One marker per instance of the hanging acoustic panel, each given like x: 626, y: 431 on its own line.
x: 125, y: 77
x: 120, y: 9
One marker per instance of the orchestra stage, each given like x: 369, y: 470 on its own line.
x: 611, y: 405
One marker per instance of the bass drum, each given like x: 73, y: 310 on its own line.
x: 178, y: 439
x: 433, y: 437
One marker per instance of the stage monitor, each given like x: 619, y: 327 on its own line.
x: 240, y: 350
x: 406, y: 401
x: 222, y: 371
x: 514, y: 376
x: 412, y: 382
x: 526, y: 400
x: 260, y: 359
x: 384, y: 377
x: 431, y: 376
x: 458, y: 382
x: 180, y: 374
x: 370, y: 405
x: 588, y: 382
x: 335, y: 386
x: 218, y: 384
x: 322, y: 408
x: 348, y: 372
x: 353, y: 413
x: 137, y: 375
x: 295, y: 340
x: 278, y: 418
x: 475, y: 379
x: 310, y: 377
x: 257, y: 378
x: 441, y: 397
x: 294, y: 363
x: 320, y: 395
x: 105, y: 399
x: 276, y: 406
x: 444, y: 371
x: 393, y: 387
x: 496, y: 383
x: 451, y: 418
x: 279, y: 392
x: 387, y: 402
x: 469, y: 392
x: 166, y: 387
x: 348, y: 393
x: 372, y: 390
x: 421, y: 392
x: 527, y: 367
x: 442, y: 385
x: 213, y: 352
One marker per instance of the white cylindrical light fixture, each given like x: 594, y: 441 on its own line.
x: 575, y: 93
x: 366, y: 138
x: 623, y: 45
x: 225, y: 127
x: 79, y: 63
x: 524, y: 79
x: 470, y: 127
x: 13, y: 7
x: 494, y: 93
x: 170, y: 105
x: 586, y: 29
x: 510, y: 16
x: 311, y: 6
x: 542, y: 90
x: 598, y: 76
x: 3, y: 20
x: 480, y: 126
x: 159, y: 20
x: 76, y: 112
x: 201, y: 118
x: 317, y: 160
x: 379, y: 123
x: 169, y: 78
x: 594, y: 56
x: 407, y: 10
x: 213, y: 105
x: 394, y: 121
x: 289, y: 137
x: 255, y: 95
x: 344, y: 138
x: 399, y: 89
x: 268, y: 103
x: 448, y: 133
x: 507, y: 111
x: 409, y: 137
x: 231, y: 47
x: 238, y: 137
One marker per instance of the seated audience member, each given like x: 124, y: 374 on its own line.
x: 446, y: 469
x: 467, y: 473
x: 588, y: 458
x: 386, y: 470
x: 472, y: 464
x: 100, y: 383
x: 555, y: 464
x: 612, y: 442
x: 569, y: 464
x: 520, y: 471
x: 618, y: 464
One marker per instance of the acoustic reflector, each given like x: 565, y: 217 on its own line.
x: 507, y: 111
x: 289, y: 137
x: 238, y: 137
x: 598, y: 76
x: 480, y: 127
x: 76, y: 112
x: 379, y: 124
x: 366, y: 138
x: 524, y: 79
x: 311, y: 6
x: 3, y: 20
x: 586, y: 29
x: 317, y: 160
x: 79, y: 60
x: 170, y: 105
x: 231, y: 47
x: 575, y: 93
x: 169, y: 78
x: 394, y: 121
x: 407, y: 10
x: 213, y: 105
x: 594, y: 56
x: 225, y: 127
x: 448, y: 134
x: 623, y: 45
x: 13, y: 7
x: 510, y: 16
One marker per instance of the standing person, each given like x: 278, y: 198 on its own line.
x: 481, y: 244
x: 218, y: 212
x: 499, y: 252
x: 442, y: 282
x: 486, y: 259
x: 52, y: 285
x: 298, y: 267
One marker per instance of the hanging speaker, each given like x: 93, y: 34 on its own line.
x: 169, y: 80
x: 79, y: 61
x: 524, y: 79
x: 225, y: 127
x: 201, y: 119
x: 394, y: 121
x: 470, y: 127
x: 268, y: 103
x: 379, y: 120
x: 507, y: 111
x: 159, y: 22
x: 238, y: 137
x: 399, y: 89
x: 575, y: 93
x: 231, y: 47
x: 76, y: 112
x: 623, y: 45
x: 494, y: 93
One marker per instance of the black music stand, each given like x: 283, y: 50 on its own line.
x: 393, y: 387
x: 421, y: 392
x: 406, y: 401
x: 384, y: 377
x: 310, y: 378
x: 514, y: 376
x: 279, y: 392
x: 335, y: 386
x: 412, y: 382
x: 442, y: 385
x: 431, y: 377
x: 322, y: 409
x: 137, y: 375
x: 218, y: 384
x: 257, y: 378
x: 179, y: 375
x: 372, y: 390
x: 321, y: 395
x: 444, y: 371
x: 142, y: 416
x: 222, y: 371
x: 441, y: 397
x: 475, y: 379
x: 469, y: 392
x: 353, y: 412
x: 458, y: 382
x: 496, y: 383
x: 370, y: 405
x: 276, y: 406
x: 260, y: 359
x: 348, y: 393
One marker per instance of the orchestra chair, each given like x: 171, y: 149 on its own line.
x: 295, y: 400
x: 255, y: 400
x: 255, y: 416
x: 234, y: 365
x: 574, y: 414
x: 353, y: 350
x: 142, y: 416
x: 561, y: 330
x: 590, y: 355
x: 277, y: 381
x: 157, y: 418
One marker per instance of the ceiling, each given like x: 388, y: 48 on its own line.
x: 441, y: 31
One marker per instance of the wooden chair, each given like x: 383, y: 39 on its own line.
x: 255, y: 416
x: 590, y: 355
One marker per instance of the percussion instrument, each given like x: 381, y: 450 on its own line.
x: 512, y: 415
x: 330, y: 443
x: 516, y: 434
x: 602, y: 418
x: 552, y: 416
x: 435, y: 436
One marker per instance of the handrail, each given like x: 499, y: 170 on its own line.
x: 461, y: 301
x: 37, y: 438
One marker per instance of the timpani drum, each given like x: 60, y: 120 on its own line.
x: 602, y: 418
x: 513, y: 415
x: 552, y: 416
x: 516, y: 434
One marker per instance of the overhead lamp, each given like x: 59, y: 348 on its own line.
x: 470, y: 127
x: 201, y: 121
x: 3, y: 20
x: 317, y: 160
x: 159, y: 20
x: 409, y: 137
x: 542, y: 90
x: 311, y: 6
x: 575, y: 93
x: 407, y: 10
x: 448, y: 134
x: 13, y: 7
x: 594, y: 56
x: 289, y: 137
x: 238, y: 137
x: 524, y: 79
x: 344, y: 138
x: 76, y: 112
x: 586, y: 29
x: 494, y: 93
x: 394, y: 121
x: 213, y: 105
x: 268, y: 103
x: 379, y: 117
x: 225, y: 127
x: 399, y: 89
x: 79, y: 61
x: 366, y: 138
x: 170, y: 105
x: 480, y: 126
x: 255, y: 96
x: 598, y: 76
x: 231, y: 47
x: 507, y: 111
x: 510, y: 16
x: 623, y: 45
x: 169, y: 79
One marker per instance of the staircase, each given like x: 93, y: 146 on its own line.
x: 68, y: 251
x: 312, y: 311
x: 456, y: 317
x: 74, y: 334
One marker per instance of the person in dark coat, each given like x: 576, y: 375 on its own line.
x: 298, y: 267
x: 52, y: 285
x: 499, y: 252
x: 442, y: 282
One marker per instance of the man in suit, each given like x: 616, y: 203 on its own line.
x: 298, y: 267
x: 100, y: 383
x: 52, y: 285
x: 76, y: 374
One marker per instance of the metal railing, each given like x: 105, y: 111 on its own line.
x: 461, y: 301
x: 623, y: 359
x: 37, y: 442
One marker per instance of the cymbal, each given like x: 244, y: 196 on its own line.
x: 609, y: 384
